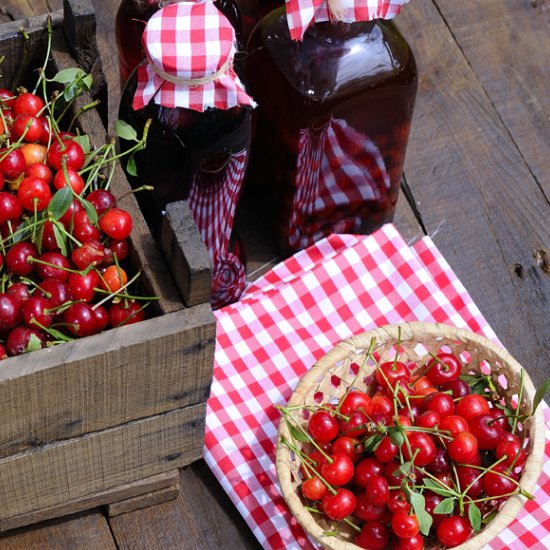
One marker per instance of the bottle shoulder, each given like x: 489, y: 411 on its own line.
x: 335, y: 59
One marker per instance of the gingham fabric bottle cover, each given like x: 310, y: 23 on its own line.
x: 190, y: 49
x: 302, y: 13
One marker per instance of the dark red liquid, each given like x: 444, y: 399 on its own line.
x: 131, y: 18
x: 332, y: 127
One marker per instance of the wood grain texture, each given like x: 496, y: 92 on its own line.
x: 198, y: 518
x: 511, y: 62
x: 119, y: 494
x: 82, y: 466
x: 139, y: 502
x: 108, y: 379
x: 83, y: 531
x: 476, y: 195
x: 186, y: 254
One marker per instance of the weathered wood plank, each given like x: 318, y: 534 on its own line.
x: 188, y: 257
x: 198, y: 518
x: 121, y: 493
x: 474, y: 188
x: 82, y: 466
x: 120, y: 375
x: 139, y: 502
x: 511, y: 62
x: 84, y: 531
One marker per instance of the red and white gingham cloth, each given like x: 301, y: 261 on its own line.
x: 185, y: 42
x: 213, y: 200
x: 302, y: 13
x: 286, y: 321
x: 340, y: 175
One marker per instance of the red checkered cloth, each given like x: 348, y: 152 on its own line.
x: 340, y: 175
x: 302, y: 13
x: 213, y: 200
x: 286, y: 321
x: 190, y: 48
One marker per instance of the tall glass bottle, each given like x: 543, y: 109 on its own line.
x: 335, y: 107
x: 131, y: 17
x: 252, y: 11
x: 199, y: 138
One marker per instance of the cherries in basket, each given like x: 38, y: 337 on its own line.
x: 424, y: 456
x: 63, y: 238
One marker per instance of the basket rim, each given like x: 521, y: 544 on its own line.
x: 415, y: 330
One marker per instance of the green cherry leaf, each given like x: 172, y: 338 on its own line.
x: 125, y: 131
x: 84, y: 142
x: 446, y: 506
x: 60, y: 239
x: 418, y: 504
x: 66, y: 76
x: 90, y: 210
x: 543, y: 389
x: 371, y: 443
x: 34, y: 343
x: 296, y: 434
x: 131, y: 166
x: 397, y: 436
x: 474, y: 515
x: 437, y: 488
x: 60, y: 202
x: 404, y: 469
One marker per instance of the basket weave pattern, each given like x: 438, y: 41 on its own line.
x: 330, y: 378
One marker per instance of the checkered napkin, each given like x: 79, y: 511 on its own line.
x: 302, y: 13
x: 190, y: 48
x: 342, y: 285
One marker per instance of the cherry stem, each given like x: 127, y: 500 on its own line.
x: 520, y: 397
x: 116, y: 292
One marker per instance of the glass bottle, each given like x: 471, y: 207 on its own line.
x: 252, y: 11
x: 131, y: 17
x: 332, y: 127
x: 197, y: 153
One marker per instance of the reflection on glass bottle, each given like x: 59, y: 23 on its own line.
x: 340, y: 178
x: 213, y: 199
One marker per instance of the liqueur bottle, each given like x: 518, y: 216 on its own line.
x: 131, y: 17
x: 199, y: 138
x: 336, y: 86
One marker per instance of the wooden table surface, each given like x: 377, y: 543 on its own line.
x: 478, y: 168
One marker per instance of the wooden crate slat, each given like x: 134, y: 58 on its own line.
x: 124, y: 374
x: 62, y: 471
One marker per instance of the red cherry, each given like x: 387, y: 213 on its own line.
x: 20, y: 337
x: 28, y: 103
x: 20, y: 291
x: 439, y: 402
x: 39, y: 170
x: 116, y: 223
x: 91, y: 252
x: 453, y: 424
x: 377, y: 490
x: 34, y: 193
x: 55, y: 266
x: 102, y: 200
x: 374, y: 535
x: 444, y: 368
x: 365, y: 469
x: 101, y: 318
x: 488, y: 432
x: 67, y: 151
x: 463, y: 448
x: 9, y: 311
x: 12, y: 163
x: 423, y: 445
x: 356, y: 401
x: 471, y: 405
x: 73, y: 177
x: 499, y: 481
x: 17, y: 258
x: 83, y: 286
x: 453, y: 531
x: 28, y: 126
x: 322, y: 425
x: 55, y: 291
x: 7, y: 99
x: 367, y: 511
x: 67, y: 218
x: 34, y: 311
x: 80, y: 319
x: 83, y: 229
x: 404, y: 525
x: 313, y: 488
x: 339, y: 471
x: 340, y: 505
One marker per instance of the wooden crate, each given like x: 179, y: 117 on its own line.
x: 109, y: 418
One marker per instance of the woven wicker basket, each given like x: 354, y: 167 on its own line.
x: 330, y: 377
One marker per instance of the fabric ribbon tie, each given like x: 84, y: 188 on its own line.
x: 192, y: 82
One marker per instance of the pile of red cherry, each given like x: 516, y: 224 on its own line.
x: 420, y: 460
x: 61, y: 241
